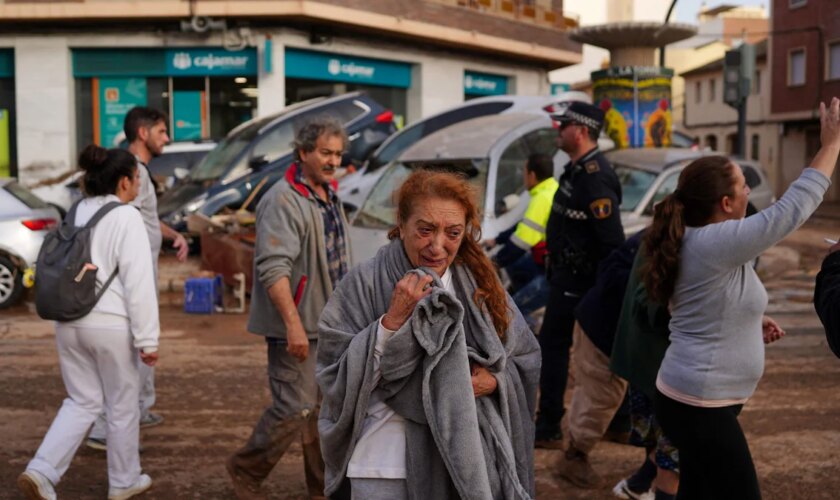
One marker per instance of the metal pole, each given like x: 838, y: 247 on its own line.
x: 741, y: 149
x: 662, y: 49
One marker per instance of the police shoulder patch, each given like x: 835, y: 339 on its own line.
x: 601, y: 208
x: 592, y: 167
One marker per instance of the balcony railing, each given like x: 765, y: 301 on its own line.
x: 533, y: 11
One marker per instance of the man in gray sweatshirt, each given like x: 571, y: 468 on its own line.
x: 302, y: 251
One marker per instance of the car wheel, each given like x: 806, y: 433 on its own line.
x: 11, y: 286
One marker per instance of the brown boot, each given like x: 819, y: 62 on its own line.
x: 574, y: 467
x: 244, y: 487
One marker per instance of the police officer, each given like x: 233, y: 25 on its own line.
x: 584, y: 227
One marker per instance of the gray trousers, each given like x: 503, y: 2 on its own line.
x: 368, y: 488
x: 293, y: 413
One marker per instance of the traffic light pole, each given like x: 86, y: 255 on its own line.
x: 741, y: 149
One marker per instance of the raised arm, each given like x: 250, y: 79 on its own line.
x: 826, y: 157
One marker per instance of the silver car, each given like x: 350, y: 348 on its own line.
x: 649, y: 175
x: 24, y: 221
x: 490, y: 150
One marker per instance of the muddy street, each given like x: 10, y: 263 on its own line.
x: 211, y: 388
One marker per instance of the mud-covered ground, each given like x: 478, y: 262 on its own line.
x: 212, y: 388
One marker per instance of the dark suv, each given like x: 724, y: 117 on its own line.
x: 256, y: 154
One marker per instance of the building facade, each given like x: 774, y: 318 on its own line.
x: 714, y: 124
x: 70, y: 70
x: 805, y: 68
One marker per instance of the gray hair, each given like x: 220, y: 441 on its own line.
x: 307, y: 136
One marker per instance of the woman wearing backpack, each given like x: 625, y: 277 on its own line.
x: 98, y: 353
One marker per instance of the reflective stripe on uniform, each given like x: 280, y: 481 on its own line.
x: 531, y: 229
x: 519, y: 243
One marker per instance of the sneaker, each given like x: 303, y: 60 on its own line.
x: 151, y: 420
x: 621, y: 490
x: 143, y: 483
x: 101, y: 444
x: 35, y: 486
x: 96, y: 444
x: 574, y: 467
x: 244, y: 487
x: 549, y: 441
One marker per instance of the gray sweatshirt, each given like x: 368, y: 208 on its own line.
x: 717, y: 349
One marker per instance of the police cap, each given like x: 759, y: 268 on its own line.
x: 581, y: 113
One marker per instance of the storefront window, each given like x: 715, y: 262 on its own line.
x: 8, y: 143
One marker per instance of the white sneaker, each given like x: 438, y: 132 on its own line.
x: 143, y: 483
x: 621, y: 490
x: 35, y: 486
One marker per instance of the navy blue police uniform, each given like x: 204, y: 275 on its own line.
x: 583, y: 228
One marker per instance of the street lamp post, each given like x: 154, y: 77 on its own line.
x: 662, y: 49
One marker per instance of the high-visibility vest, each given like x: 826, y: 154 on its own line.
x: 530, y: 231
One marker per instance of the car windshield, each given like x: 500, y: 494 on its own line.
x: 635, y: 183
x: 379, y: 210
x: 214, y: 164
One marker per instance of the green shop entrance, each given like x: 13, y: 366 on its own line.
x: 205, y: 91
x: 312, y: 73
x: 8, y: 143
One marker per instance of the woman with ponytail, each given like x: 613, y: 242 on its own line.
x: 428, y: 370
x: 699, y: 253
x: 98, y: 353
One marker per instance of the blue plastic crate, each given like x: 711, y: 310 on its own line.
x: 202, y: 295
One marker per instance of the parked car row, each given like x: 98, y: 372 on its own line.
x: 487, y: 139
x: 257, y: 154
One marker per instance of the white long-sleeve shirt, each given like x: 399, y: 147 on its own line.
x: 380, y: 450
x: 120, y: 239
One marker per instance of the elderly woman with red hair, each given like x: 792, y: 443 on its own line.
x: 428, y: 371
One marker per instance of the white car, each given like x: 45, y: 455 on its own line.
x: 353, y: 188
x: 491, y: 151
x: 177, y: 160
x: 24, y: 221
x: 648, y: 175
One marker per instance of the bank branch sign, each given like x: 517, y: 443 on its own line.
x: 484, y: 83
x: 211, y: 62
x: 316, y: 65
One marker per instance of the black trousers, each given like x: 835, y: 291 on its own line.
x: 715, y: 460
x: 555, y: 341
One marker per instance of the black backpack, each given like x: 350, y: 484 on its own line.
x: 65, y: 289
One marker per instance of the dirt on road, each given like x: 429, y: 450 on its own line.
x: 211, y: 388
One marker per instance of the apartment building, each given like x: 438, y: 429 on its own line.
x: 715, y: 124
x: 805, y: 68
x: 70, y: 69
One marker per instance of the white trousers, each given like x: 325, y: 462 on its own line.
x: 147, y: 400
x: 100, y: 370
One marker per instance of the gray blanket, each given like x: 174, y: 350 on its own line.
x: 457, y: 445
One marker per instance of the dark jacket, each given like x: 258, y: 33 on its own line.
x: 641, y: 338
x: 827, y: 300
x: 599, y: 309
x: 585, y: 223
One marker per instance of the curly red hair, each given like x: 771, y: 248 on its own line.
x: 434, y: 184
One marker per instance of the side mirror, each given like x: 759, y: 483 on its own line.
x: 257, y: 162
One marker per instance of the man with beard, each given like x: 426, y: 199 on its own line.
x: 145, y: 131
x: 301, y: 253
x: 584, y: 227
